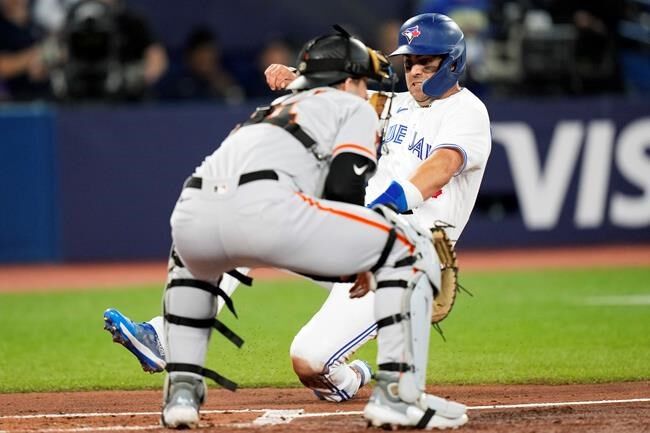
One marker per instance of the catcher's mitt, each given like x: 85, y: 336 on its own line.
x: 444, y: 300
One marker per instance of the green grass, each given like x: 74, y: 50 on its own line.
x: 520, y: 327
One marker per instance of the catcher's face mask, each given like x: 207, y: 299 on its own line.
x: 330, y: 59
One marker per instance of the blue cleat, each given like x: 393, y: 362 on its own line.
x: 141, y: 339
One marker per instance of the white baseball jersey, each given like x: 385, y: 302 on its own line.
x: 338, y: 121
x: 413, y: 133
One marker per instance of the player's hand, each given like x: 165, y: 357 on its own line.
x: 278, y: 77
x: 365, y: 282
x: 378, y: 102
x: 36, y: 69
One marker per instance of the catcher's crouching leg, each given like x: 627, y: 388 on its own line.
x: 190, y: 306
x: 185, y: 304
x: 403, y: 305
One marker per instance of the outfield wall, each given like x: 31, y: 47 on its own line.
x: 99, y: 183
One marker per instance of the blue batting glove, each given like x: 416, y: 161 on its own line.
x: 394, y: 197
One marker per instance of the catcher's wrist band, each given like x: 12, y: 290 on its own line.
x: 401, y: 196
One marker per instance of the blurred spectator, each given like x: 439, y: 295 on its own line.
x: 548, y: 61
x: 634, y: 30
x: 503, y: 56
x: 21, y: 58
x: 386, y: 36
x: 50, y: 14
x: 201, y: 74
x: 449, y: 7
x: 275, y: 51
x: 4, y: 93
x: 597, y: 43
x: 554, y: 47
x: 108, y: 52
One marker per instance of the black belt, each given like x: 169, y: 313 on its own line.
x: 197, y: 182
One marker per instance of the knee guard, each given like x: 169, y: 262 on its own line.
x: 423, y: 256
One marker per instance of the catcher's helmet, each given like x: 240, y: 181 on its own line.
x: 330, y: 59
x: 435, y: 34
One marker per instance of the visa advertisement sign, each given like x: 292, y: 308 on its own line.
x: 574, y: 172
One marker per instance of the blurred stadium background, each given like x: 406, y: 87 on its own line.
x: 107, y: 105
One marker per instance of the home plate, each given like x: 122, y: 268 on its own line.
x: 273, y: 417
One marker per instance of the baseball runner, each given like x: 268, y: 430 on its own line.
x: 435, y: 148
x: 434, y: 152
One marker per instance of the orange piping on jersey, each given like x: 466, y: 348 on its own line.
x: 354, y: 217
x: 364, y: 150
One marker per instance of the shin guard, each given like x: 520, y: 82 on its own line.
x: 418, y: 300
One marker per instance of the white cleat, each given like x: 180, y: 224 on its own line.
x: 388, y: 418
x: 180, y: 417
x: 386, y: 410
x: 363, y: 369
x: 184, y: 395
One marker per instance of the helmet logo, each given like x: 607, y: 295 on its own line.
x: 412, y: 33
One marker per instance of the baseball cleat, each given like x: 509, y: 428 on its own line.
x: 184, y: 395
x: 363, y: 369
x: 140, y: 339
x: 386, y: 410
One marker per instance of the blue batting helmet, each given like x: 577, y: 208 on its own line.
x: 435, y: 34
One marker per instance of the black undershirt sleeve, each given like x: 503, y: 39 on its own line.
x: 347, y: 178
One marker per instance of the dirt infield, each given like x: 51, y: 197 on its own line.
x: 603, y: 408
x: 595, y: 408
x: 32, y: 278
